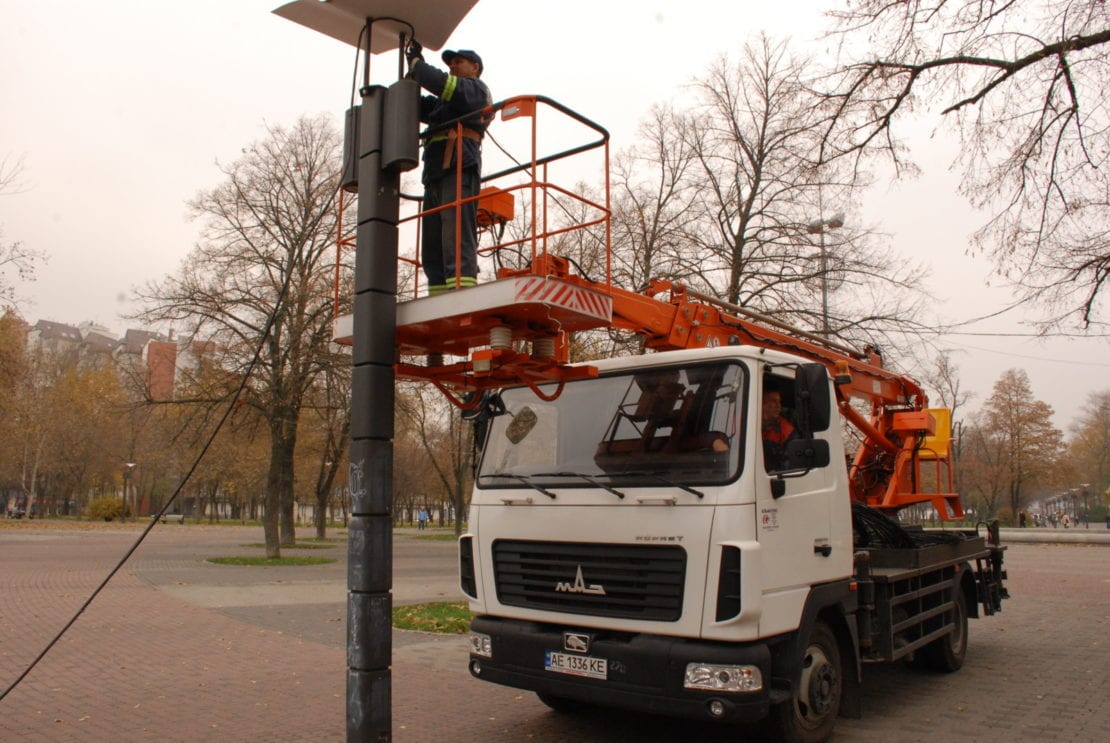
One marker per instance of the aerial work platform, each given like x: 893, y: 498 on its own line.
x: 526, y: 309
x: 515, y: 329
x: 509, y: 331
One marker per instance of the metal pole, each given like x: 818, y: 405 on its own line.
x: 824, y: 285
x: 370, y: 536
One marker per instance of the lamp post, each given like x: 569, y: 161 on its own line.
x: 820, y: 227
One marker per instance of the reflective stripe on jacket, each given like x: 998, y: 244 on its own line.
x: 453, y: 97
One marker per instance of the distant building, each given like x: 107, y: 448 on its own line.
x: 144, y: 358
x: 53, y: 338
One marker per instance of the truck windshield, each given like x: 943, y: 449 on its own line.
x: 647, y: 428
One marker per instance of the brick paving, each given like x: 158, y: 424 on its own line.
x: 146, y: 663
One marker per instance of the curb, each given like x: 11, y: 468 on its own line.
x: 1099, y: 535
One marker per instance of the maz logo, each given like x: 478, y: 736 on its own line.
x: 579, y: 586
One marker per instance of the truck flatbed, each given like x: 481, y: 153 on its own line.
x: 888, y: 562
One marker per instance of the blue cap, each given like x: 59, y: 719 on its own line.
x: 468, y: 54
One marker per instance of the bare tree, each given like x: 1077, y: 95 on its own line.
x: 983, y: 470
x: 447, y: 440
x: 654, y: 184
x: 1089, y: 447
x: 945, y: 379
x: 332, y: 407
x: 16, y: 260
x: 1025, y: 84
x: 753, y: 189
x: 260, y: 281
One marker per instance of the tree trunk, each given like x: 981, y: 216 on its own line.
x: 284, y: 437
x: 288, y: 525
x: 279, y: 489
x: 320, y: 521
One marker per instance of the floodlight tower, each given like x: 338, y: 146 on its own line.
x: 382, y: 142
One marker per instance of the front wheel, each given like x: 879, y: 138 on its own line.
x: 809, y: 717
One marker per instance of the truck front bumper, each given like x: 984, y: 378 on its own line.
x: 644, y: 672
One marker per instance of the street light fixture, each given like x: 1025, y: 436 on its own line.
x: 820, y: 227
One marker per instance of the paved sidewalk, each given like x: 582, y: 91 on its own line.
x: 178, y: 649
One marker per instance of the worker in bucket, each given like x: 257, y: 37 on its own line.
x: 454, y: 95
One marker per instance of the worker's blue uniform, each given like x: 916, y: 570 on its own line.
x: 454, y: 97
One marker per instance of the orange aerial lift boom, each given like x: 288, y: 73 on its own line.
x: 515, y: 331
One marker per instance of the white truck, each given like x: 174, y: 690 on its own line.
x: 635, y: 543
x: 635, y: 540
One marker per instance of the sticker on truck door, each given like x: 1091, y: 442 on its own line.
x: 769, y: 519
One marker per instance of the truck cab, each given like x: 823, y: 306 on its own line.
x: 632, y: 541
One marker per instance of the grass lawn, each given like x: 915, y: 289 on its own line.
x: 447, y: 617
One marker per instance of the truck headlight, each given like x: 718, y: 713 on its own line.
x: 481, y: 644
x: 712, y: 677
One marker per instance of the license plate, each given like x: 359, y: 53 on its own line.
x: 576, y: 665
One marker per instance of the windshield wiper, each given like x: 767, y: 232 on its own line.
x: 588, y: 478
x: 527, y: 481
x: 665, y: 481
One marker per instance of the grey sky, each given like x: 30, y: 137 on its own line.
x: 122, y: 107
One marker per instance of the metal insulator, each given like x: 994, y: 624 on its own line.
x: 543, y: 348
x: 500, y: 337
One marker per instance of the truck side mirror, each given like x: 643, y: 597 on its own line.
x: 807, y: 454
x: 812, y: 399
x: 801, y: 456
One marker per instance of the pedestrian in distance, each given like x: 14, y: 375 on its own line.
x: 421, y: 519
x: 456, y: 95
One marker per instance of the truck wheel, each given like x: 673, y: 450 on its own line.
x: 947, y: 654
x: 809, y: 717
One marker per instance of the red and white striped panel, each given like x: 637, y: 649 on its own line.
x: 568, y: 296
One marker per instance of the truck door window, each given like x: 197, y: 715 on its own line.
x: 680, y: 424
x: 777, y: 426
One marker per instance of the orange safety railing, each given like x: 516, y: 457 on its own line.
x: 528, y: 176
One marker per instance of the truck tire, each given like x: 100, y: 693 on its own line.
x: 809, y: 717
x: 947, y: 654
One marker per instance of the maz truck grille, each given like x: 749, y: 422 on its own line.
x: 607, y: 580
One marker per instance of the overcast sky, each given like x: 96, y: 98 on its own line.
x: 121, y: 109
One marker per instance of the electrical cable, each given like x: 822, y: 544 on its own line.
x: 555, y: 199
x: 188, y: 474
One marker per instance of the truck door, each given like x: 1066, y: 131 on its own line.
x: 802, y: 531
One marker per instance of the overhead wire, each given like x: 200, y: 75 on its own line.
x: 267, y: 328
x: 528, y: 169
x: 270, y: 320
